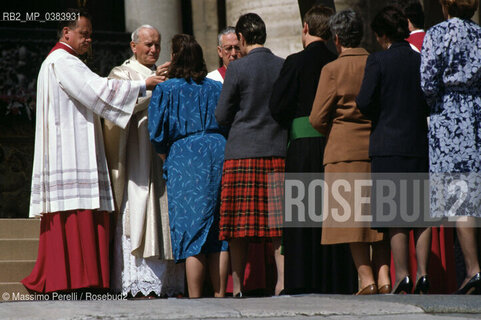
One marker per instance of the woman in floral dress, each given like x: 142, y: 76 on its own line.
x: 451, y: 81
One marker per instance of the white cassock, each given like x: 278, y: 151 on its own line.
x: 69, y: 168
x: 142, y: 235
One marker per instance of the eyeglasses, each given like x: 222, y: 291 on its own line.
x: 229, y: 48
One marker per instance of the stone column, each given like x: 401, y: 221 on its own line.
x: 282, y: 19
x: 166, y: 16
x: 477, y: 15
x: 433, y: 13
x: 205, y: 25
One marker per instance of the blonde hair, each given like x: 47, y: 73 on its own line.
x: 464, y: 9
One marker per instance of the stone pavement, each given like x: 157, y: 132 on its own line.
x: 406, y: 307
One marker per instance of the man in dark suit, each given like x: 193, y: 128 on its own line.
x: 308, y: 266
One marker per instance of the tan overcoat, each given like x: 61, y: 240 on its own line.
x: 334, y: 112
x: 346, y: 156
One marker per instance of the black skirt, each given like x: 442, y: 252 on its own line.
x: 310, y: 267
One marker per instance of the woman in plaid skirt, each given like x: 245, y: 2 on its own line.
x: 255, y: 147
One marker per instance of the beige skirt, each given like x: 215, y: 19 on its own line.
x: 346, y: 219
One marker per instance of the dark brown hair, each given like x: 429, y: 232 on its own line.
x: 317, y: 19
x: 414, y: 12
x: 252, y: 28
x: 463, y: 9
x: 187, y: 59
x: 391, y: 22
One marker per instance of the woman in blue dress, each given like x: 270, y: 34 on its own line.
x: 451, y: 81
x: 184, y: 131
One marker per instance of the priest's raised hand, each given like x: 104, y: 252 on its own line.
x: 152, y: 81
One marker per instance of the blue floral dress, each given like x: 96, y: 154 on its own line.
x: 451, y: 81
x: 183, y: 126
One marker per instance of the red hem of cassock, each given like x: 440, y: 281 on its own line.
x: 73, y: 252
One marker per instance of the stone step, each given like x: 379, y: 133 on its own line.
x: 18, y: 249
x: 9, y: 291
x: 19, y: 228
x: 14, y: 271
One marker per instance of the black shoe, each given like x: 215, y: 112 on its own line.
x: 282, y: 293
x: 404, y: 287
x: 238, y: 295
x: 472, y: 287
x: 422, y: 286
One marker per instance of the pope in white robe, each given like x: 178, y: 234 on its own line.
x: 143, y: 261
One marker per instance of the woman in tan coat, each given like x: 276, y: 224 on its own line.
x: 334, y: 114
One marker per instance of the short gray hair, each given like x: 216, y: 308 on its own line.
x: 135, y: 34
x: 348, y: 27
x: 226, y: 30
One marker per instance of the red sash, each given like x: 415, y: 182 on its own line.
x: 60, y: 45
x: 222, y: 71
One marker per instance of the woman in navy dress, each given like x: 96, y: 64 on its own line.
x: 451, y: 81
x: 392, y: 98
x: 183, y: 130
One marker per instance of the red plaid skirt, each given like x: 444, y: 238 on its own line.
x: 251, y: 198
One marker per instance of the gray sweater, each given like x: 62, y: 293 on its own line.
x: 244, y: 106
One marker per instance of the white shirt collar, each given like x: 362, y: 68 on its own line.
x: 69, y: 46
x: 416, y: 31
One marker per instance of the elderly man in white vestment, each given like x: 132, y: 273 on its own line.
x: 143, y: 264
x: 228, y: 50
x: 70, y: 180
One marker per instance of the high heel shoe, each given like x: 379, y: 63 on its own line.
x: 472, y: 287
x: 422, y: 285
x: 405, y: 286
x: 370, y: 289
x: 385, y: 289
